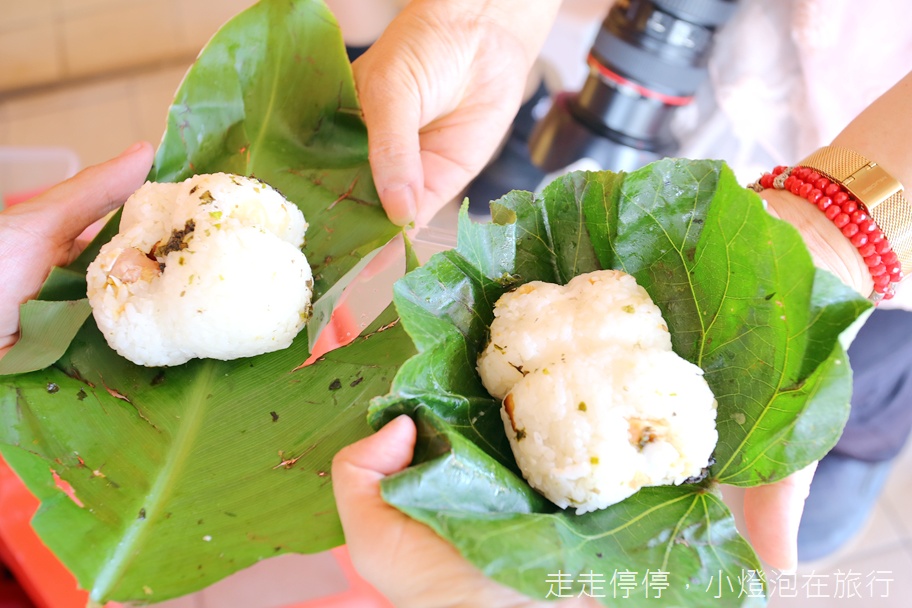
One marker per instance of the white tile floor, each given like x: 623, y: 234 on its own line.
x: 98, y: 117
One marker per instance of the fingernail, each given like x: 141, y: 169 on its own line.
x: 400, y: 204
x: 402, y: 420
x: 134, y: 148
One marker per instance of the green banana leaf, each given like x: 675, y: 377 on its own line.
x: 184, y: 475
x: 742, y: 300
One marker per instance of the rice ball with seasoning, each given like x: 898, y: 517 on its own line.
x: 540, y: 322
x: 596, y: 405
x: 208, y: 268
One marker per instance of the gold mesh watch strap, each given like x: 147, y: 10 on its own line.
x: 879, y: 192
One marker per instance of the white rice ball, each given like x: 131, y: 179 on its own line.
x: 540, y: 323
x: 211, y: 267
x: 602, y: 406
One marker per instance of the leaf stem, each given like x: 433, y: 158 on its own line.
x: 127, y: 549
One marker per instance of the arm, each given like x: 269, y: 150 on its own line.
x: 439, y: 89
x: 881, y: 133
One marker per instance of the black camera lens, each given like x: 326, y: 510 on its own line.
x: 648, y: 58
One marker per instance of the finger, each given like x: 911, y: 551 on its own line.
x: 772, y: 514
x: 356, y: 474
x: 374, y: 530
x: 392, y: 113
x: 64, y: 211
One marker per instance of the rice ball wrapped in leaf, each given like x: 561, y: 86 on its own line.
x: 595, y: 403
x: 210, y: 267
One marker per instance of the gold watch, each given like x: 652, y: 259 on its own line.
x: 880, y: 193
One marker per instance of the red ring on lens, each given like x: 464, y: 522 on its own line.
x: 669, y: 100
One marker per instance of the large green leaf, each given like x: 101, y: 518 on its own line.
x: 742, y: 300
x: 183, y: 476
x: 188, y: 474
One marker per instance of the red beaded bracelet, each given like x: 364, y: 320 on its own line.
x: 848, y: 214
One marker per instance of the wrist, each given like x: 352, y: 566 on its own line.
x: 864, y: 202
x: 526, y: 22
x: 829, y: 248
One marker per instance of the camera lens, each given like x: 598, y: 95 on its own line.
x: 648, y: 58
x: 661, y: 45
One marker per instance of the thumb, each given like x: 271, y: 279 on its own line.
x: 772, y: 514
x: 392, y: 113
x: 356, y: 474
x: 61, y: 213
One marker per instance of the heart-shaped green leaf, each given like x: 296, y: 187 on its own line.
x: 741, y: 299
x: 183, y: 476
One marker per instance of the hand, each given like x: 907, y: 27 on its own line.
x: 405, y: 560
x: 413, y: 567
x: 772, y: 512
x: 42, y: 233
x: 828, y: 247
x: 439, y: 89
